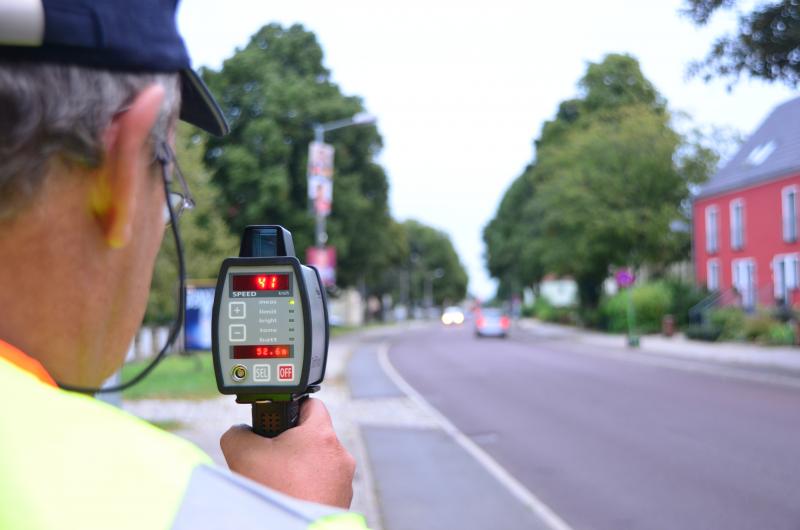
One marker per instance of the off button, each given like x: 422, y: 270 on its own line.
x: 239, y: 373
x: 285, y: 372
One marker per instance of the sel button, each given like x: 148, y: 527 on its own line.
x: 261, y: 373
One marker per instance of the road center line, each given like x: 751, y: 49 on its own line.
x: 515, y: 487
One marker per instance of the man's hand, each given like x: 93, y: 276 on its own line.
x: 306, y: 462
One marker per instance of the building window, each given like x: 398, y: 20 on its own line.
x: 744, y: 281
x: 712, y: 276
x: 760, y: 153
x: 712, y: 229
x: 785, y: 276
x: 737, y: 224
x: 789, y: 208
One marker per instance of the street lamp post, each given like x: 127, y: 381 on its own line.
x: 321, y: 236
x: 429, y: 278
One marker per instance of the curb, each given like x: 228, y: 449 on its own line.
x: 727, y: 353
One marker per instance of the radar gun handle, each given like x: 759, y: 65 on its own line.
x: 270, y: 418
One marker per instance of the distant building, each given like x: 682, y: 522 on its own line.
x: 560, y: 292
x: 746, y: 218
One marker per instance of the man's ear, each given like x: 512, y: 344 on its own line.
x: 117, y: 185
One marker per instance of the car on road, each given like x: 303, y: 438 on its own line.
x: 491, y: 322
x: 453, y: 316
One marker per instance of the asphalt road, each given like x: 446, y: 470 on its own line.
x: 613, y: 443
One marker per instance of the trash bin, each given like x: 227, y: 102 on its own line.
x: 796, y: 332
x: 668, y: 325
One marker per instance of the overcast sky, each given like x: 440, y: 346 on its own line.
x: 461, y: 88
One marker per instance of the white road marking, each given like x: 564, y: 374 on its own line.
x: 515, y: 487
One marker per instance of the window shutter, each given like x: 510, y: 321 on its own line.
x: 777, y: 277
x: 785, y: 214
x: 711, y: 229
x: 791, y: 272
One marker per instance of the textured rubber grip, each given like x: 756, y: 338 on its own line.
x: 273, y: 417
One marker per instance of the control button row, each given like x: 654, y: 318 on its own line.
x: 261, y: 373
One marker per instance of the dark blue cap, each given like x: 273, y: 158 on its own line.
x: 123, y: 35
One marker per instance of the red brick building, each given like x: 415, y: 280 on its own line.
x: 745, y: 218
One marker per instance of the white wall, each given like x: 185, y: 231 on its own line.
x: 560, y: 293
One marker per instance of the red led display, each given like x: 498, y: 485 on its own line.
x: 261, y: 282
x: 272, y: 351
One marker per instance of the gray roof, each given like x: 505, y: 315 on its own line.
x: 772, y: 152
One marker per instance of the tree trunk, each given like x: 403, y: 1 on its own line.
x: 590, y: 288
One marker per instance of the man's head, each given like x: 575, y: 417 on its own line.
x: 55, y: 116
x: 88, y: 92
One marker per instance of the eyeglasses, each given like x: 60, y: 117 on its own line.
x: 177, y: 201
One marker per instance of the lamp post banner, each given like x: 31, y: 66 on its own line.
x: 320, y: 177
x: 324, y: 259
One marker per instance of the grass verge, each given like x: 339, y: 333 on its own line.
x: 177, y: 377
x: 169, y: 425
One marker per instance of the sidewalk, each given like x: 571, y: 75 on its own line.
x: 735, y: 353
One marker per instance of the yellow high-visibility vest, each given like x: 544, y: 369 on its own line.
x: 68, y: 461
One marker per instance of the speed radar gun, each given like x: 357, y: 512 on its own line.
x: 269, y: 329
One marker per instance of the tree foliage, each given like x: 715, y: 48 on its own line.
x: 766, y: 43
x: 511, y: 254
x: 205, y: 235
x: 610, y: 177
x: 272, y: 91
x: 431, y: 251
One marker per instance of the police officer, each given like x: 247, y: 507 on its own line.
x: 89, y: 95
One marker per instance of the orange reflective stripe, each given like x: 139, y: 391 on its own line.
x: 26, y: 362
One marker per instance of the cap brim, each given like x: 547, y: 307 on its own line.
x: 198, y: 106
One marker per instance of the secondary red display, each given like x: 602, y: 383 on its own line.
x: 261, y: 282
x: 272, y: 351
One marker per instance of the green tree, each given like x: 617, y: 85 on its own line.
x: 272, y: 92
x: 610, y: 178
x: 607, y: 196
x: 766, y: 43
x: 614, y: 83
x: 510, y: 255
x: 431, y: 251
x: 205, y: 235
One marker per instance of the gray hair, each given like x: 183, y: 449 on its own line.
x: 52, y: 110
